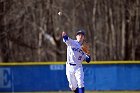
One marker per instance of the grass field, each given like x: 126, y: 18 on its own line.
x: 101, y: 92
x: 85, y: 92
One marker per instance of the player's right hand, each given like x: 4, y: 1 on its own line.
x: 63, y: 33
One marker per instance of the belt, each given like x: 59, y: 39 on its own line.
x: 72, y: 64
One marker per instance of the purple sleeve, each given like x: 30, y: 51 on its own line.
x: 88, y: 58
x: 65, y: 38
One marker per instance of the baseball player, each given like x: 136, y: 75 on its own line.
x: 76, y: 53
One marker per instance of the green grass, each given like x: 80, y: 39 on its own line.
x: 102, y: 92
x: 85, y: 92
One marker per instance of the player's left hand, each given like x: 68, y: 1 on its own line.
x: 85, y: 48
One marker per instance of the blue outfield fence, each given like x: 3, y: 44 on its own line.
x: 26, y: 77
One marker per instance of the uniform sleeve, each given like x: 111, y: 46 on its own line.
x: 87, y: 58
x: 67, y: 40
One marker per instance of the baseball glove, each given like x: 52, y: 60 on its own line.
x: 85, y: 48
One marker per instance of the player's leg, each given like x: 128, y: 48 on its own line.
x: 81, y: 90
x: 71, y: 79
x: 80, y: 79
x: 72, y: 82
x: 76, y: 91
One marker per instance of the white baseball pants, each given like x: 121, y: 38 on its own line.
x: 75, y: 76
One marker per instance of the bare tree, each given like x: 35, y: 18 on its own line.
x: 31, y: 30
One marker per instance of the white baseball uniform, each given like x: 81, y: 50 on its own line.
x: 74, y: 69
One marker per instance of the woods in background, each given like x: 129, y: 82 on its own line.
x: 30, y: 30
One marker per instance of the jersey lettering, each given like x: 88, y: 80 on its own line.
x: 80, y: 57
x: 78, y: 50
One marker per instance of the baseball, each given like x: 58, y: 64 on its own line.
x: 59, y: 13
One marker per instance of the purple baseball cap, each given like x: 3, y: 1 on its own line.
x: 80, y: 32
